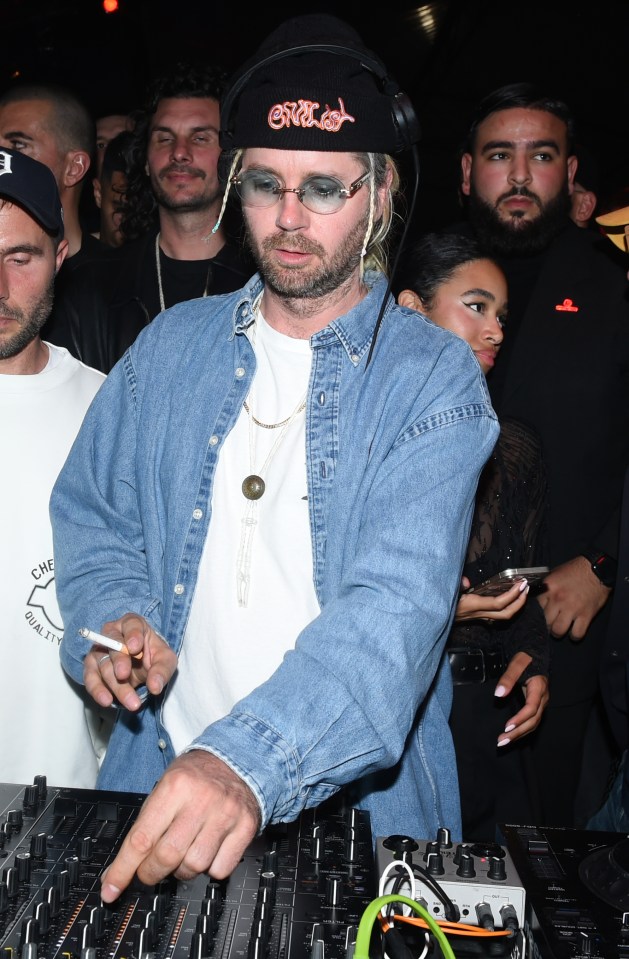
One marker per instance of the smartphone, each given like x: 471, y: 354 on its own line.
x: 503, y: 581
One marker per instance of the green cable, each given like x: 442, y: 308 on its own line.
x: 368, y: 918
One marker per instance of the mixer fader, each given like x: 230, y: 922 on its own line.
x: 298, y: 892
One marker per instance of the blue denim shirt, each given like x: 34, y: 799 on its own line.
x: 393, y: 452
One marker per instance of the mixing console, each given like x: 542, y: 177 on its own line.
x: 298, y: 893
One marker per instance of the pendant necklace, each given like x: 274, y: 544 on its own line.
x: 158, y: 269
x: 253, y: 488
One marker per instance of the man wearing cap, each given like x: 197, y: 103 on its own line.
x: 272, y: 506
x: 44, y: 393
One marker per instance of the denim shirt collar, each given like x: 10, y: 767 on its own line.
x: 354, y: 330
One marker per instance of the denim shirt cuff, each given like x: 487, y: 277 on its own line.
x: 261, y: 758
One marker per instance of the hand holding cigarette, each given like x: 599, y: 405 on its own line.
x: 147, y: 661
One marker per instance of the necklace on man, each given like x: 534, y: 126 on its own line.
x: 158, y: 270
x: 253, y: 486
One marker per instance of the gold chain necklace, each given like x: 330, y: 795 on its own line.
x: 273, y: 426
x: 158, y: 270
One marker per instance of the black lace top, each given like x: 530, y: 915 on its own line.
x: 508, y: 530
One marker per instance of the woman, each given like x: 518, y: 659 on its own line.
x: 498, y: 645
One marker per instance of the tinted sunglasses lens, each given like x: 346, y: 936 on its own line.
x: 256, y: 188
x: 323, y: 194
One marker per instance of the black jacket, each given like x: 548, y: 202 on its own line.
x: 99, y: 309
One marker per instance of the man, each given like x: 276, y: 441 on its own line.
x: 110, y: 189
x: 51, y: 124
x: 256, y: 506
x: 585, y: 189
x: 563, y: 370
x: 108, y: 127
x: 44, y: 393
x: 171, y: 251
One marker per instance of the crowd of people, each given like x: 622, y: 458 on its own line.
x: 281, y: 446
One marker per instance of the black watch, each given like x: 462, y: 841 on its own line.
x: 603, y: 566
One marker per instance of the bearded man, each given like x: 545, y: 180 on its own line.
x: 563, y: 369
x: 44, y: 393
x: 277, y: 510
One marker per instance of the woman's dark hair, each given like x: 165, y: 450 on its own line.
x: 432, y: 260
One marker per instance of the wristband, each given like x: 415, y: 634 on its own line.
x: 603, y: 566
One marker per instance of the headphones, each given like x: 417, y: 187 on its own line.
x: 404, y: 120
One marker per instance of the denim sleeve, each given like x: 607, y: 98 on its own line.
x: 100, y: 569
x: 372, y: 654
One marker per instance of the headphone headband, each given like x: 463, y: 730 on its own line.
x: 403, y: 117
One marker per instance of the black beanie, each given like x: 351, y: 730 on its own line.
x: 313, y: 99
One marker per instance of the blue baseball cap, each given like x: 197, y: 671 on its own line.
x: 32, y: 186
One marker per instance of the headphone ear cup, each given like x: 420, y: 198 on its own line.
x: 405, y: 120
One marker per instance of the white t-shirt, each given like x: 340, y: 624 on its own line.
x: 240, y: 627
x: 45, y: 730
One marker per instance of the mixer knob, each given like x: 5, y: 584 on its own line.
x: 31, y: 797
x: 199, y: 946
x: 73, y: 867
x: 317, y: 847
x: 62, y: 883
x: 351, y: 845
x: 23, y: 861
x: 211, y: 909
x: 15, y: 819
x: 97, y: 921
x: 54, y: 900
x: 214, y: 890
x: 38, y: 846
x: 333, y: 891
x: 13, y: 885
x: 317, y: 950
x: 269, y: 861
x: 85, y: 849
x: 256, y: 949
x: 29, y: 931
x: 151, y: 926
x: 466, y: 869
x: 434, y: 864
x: 42, y: 786
x: 42, y: 915
x: 4, y: 897
x: 444, y: 837
x: 497, y: 869
x: 268, y: 880
x: 350, y: 942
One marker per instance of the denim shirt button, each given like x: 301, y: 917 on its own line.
x: 179, y: 589
x: 354, y: 358
x: 197, y: 513
x: 162, y: 744
x: 213, y: 440
x: 240, y: 372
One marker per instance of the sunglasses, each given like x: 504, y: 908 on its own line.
x: 319, y: 193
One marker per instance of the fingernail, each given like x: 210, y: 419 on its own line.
x: 108, y: 892
x: 509, y: 727
x: 523, y: 585
x: 503, y: 742
x: 500, y: 691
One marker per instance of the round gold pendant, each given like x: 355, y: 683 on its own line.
x: 253, y: 486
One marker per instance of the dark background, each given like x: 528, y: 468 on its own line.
x: 445, y: 54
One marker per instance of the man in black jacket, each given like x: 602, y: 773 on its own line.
x: 172, y: 251
x: 564, y: 370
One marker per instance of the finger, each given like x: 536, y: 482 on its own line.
x: 138, y: 846
x: 512, y: 674
x: 106, y: 678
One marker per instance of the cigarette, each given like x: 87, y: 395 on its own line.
x: 106, y: 641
